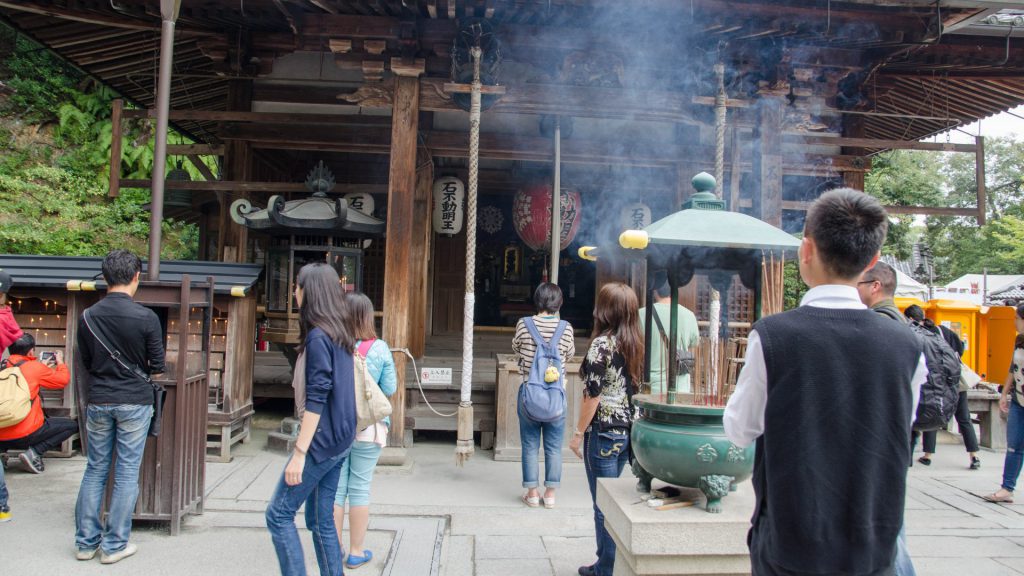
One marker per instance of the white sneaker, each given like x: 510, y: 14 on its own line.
x: 121, y: 554
x: 86, y: 554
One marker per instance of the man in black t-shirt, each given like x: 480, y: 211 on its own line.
x: 120, y: 342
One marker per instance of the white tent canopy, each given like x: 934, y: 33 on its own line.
x: 907, y: 287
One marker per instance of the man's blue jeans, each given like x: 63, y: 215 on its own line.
x: 108, y: 425
x: 605, y: 455
x: 530, y: 435
x: 1014, y: 445
x: 317, y: 490
x: 3, y: 488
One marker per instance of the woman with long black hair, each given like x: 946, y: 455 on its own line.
x: 328, y: 426
x: 1012, y: 404
x: 610, y: 372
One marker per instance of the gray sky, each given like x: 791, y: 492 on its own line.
x: 998, y: 125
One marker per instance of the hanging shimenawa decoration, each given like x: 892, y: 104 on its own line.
x: 531, y: 215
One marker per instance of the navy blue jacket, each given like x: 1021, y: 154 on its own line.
x: 330, y: 392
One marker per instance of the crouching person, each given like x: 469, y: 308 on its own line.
x: 36, y: 434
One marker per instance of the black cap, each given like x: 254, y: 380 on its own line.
x: 6, y: 282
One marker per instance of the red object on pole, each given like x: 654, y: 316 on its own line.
x: 531, y: 215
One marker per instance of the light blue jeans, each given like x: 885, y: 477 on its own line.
x: 903, y: 565
x: 530, y: 435
x: 1014, y: 445
x: 357, y: 474
x: 317, y: 489
x: 110, y: 426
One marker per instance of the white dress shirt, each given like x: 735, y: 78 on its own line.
x: 744, y: 413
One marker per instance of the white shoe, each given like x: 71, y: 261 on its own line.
x: 129, y: 550
x: 86, y: 554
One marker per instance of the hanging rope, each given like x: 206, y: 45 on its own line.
x: 464, y: 443
x: 714, y: 326
x: 720, y: 99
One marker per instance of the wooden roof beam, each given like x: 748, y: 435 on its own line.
x: 91, y: 17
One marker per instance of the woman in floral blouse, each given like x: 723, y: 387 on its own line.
x: 610, y: 373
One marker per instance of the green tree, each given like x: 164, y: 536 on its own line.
x: 55, y: 140
x: 960, y: 246
x: 908, y: 178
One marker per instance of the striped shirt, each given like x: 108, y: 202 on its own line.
x: 525, y: 348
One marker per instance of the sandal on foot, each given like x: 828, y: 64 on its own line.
x: 1007, y: 499
x: 549, y: 503
x: 531, y: 501
x: 354, y: 561
x: 975, y: 463
x: 925, y: 461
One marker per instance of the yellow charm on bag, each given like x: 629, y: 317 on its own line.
x: 551, y: 374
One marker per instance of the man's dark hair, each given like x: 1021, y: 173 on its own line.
x: 916, y: 313
x: 547, y: 297
x: 23, y: 345
x: 848, y: 227
x: 660, y: 283
x: 885, y: 275
x: 120, y: 267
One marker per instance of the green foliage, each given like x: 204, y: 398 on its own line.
x: 55, y: 140
x: 959, y: 246
x: 793, y: 285
x: 910, y: 178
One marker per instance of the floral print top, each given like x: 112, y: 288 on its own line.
x: 605, y: 376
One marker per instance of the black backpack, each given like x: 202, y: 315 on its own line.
x: 941, y: 391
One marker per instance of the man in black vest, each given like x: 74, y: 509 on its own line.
x: 828, y: 393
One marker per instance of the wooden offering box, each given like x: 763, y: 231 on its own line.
x: 44, y: 306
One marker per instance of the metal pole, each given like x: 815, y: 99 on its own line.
x: 163, y: 104
x: 556, y: 204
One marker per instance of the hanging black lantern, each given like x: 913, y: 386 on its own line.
x: 177, y: 197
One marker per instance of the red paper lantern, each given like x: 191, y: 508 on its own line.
x: 531, y: 215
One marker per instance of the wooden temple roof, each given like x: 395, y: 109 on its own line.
x: 912, y: 68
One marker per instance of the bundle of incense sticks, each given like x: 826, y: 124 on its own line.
x: 715, y: 371
x: 772, y: 283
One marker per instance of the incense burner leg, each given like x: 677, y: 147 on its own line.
x: 644, y: 477
x: 715, y: 487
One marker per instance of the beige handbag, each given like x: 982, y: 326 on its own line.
x: 372, y: 405
x: 299, y: 384
x: 968, y: 378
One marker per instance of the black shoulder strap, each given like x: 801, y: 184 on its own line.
x: 115, y: 354
x: 661, y: 328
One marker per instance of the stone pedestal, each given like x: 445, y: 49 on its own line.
x: 684, y: 541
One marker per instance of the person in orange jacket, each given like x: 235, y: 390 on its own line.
x: 9, y: 329
x: 36, y: 434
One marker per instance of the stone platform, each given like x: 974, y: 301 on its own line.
x: 682, y: 541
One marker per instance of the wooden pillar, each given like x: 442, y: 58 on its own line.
x: 420, y: 253
x: 853, y: 127
x: 767, y: 162
x: 398, y: 255
x: 232, y: 238
x: 115, y: 148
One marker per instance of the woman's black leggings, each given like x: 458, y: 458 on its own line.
x: 963, y: 421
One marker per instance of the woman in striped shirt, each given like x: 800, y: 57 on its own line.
x: 547, y: 300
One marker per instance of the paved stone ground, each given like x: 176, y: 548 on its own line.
x: 432, y: 518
